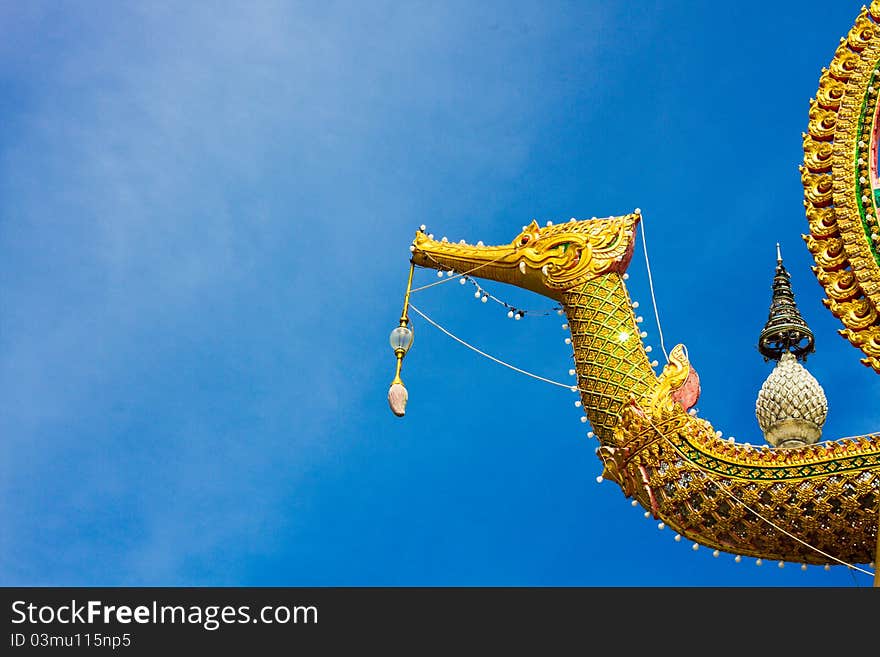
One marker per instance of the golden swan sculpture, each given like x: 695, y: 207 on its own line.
x: 815, y: 504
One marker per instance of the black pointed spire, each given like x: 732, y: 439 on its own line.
x: 785, y: 330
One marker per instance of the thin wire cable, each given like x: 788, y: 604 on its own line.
x: 708, y: 474
x: 525, y: 311
x: 651, y: 286
x: 855, y: 581
x: 492, y: 358
x: 457, y: 276
x: 466, y: 275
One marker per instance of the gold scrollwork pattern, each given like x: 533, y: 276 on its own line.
x: 831, y: 91
x: 723, y: 494
x: 839, y: 285
x: 823, y: 223
x: 571, y: 254
x: 817, y: 154
x: 838, y: 195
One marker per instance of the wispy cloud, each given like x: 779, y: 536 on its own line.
x: 178, y: 185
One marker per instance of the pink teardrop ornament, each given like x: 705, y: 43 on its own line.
x: 397, y: 396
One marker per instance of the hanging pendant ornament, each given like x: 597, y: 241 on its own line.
x: 397, y: 398
x: 401, y: 340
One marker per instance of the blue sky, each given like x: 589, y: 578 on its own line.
x: 205, y: 214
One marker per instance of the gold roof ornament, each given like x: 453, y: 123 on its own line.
x: 785, y: 330
x: 842, y: 185
x: 791, y: 406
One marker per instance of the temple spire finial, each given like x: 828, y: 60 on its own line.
x: 791, y: 406
x: 785, y: 330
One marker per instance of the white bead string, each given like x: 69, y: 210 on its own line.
x: 480, y: 292
x: 513, y: 312
x: 447, y: 280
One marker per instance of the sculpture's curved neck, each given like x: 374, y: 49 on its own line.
x: 707, y: 489
x: 611, y: 363
x: 581, y: 264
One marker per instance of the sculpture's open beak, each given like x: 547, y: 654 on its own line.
x: 505, y: 264
x: 547, y: 260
